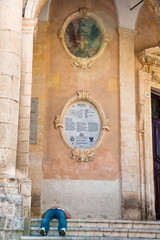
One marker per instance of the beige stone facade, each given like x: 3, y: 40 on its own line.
x: 36, y: 65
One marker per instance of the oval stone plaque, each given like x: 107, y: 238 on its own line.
x: 82, y: 124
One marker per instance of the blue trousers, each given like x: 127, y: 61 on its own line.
x: 54, y: 213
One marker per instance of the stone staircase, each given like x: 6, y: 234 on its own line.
x: 89, y: 229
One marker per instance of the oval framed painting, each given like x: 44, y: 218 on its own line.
x: 83, y: 37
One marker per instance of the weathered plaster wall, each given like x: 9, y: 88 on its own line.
x: 62, y: 83
x: 84, y: 198
x: 58, y: 85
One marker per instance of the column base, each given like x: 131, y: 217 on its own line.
x: 11, y: 206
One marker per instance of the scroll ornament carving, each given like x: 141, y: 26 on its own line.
x: 82, y: 155
x: 82, y: 63
x: 58, y: 122
x: 155, y: 78
x: 106, y: 38
x: 83, y: 11
x: 82, y: 95
x: 106, y: 124
x: 60, y: 34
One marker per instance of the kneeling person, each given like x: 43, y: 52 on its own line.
x: 55, y: 212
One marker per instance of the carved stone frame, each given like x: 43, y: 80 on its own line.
x: 78, y: 153
x: 149, y: 80
x: 83, y: 63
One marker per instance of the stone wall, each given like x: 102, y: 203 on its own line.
x: 11, y: 208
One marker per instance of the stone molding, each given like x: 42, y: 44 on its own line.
x: 77, y: 153
x: 128, y: 33
x: 33, y: 8
x: 150, y: 57
x: 29, y: 26
x: 149, y: 78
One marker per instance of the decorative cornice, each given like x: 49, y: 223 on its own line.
x: 149, y: 61
x: 150, y: 57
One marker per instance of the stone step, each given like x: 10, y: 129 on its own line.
x: 80, y: 238
x: 36, y: 222
x: 82, y: 229
x: 102, y: 232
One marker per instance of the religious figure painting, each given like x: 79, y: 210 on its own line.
x: 83, y: 37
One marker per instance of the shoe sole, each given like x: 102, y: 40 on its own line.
x: 62, y: 233
x: 42, y: 232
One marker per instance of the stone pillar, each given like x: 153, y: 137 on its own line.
x: 129, y: 158
x: 38, y: 91
x: 10, y: 58
x: 28, y: 29
x: 11, y: 220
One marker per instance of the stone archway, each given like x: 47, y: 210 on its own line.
x: 33, y: 8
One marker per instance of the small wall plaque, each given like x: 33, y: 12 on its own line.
x: 33, y: 120
x: 82, y: 124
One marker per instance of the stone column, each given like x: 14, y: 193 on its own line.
x: 11, y: 220
x: 10, y: 58
x: 129, y: 158
x: 28, y: 29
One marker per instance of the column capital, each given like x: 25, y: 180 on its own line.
x: 126, y: 32
x: 29, y: 25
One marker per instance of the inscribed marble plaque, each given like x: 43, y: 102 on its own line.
x: 82, y: 124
